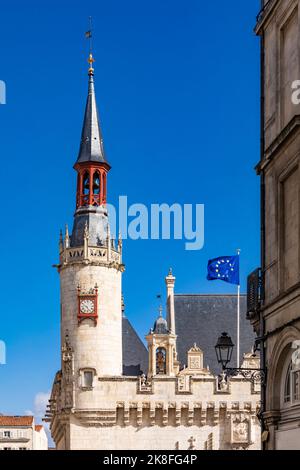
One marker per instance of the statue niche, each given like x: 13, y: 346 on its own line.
x: 161, y: 366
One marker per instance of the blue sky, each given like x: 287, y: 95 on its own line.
x: 177, y: 87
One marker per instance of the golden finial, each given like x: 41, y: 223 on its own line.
x: 91, y: 60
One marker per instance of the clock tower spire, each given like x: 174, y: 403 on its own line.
x: 92, y: 169
x: 91, y: 268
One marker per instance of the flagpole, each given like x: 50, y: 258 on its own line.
x: 238, y: 319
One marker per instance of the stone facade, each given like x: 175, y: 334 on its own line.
x: 277, y: 317
x: 159, y: 412
x: 169, y: 408
x: 103, y: 343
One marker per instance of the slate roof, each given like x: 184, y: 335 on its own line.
x: 199, y: 319
x: 135, y: 354
x: 202, y: 319
x: 91, y: 145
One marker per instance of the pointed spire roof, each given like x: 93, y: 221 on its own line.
x: 91, y: 146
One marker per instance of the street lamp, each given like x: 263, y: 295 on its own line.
x: 224, y: 349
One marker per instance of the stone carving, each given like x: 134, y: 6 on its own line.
x: 195, y: 360
x: 223, y: 383
x: 68, y: 372
x: 195, y: 363
x: 144, y: 384
x: 184, y: 384
x: 240, y: 429
x: 191, y: 441
x: 161, y: 361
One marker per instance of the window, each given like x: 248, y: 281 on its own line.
x: 7, y: 434
x: 86, y: 184
x: 88, y: 378
x: 22, y: 448
x: 96, y: 183
x: 161, y: 361
x: 292, y: 385
x: 295, y: 385
x: 287, y: 388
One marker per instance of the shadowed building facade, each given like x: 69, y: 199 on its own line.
x: 274, y: 290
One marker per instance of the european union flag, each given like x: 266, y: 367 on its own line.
x: 226, y: 268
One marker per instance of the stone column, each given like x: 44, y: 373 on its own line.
x: 170, y: 283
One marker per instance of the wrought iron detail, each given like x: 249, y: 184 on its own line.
x: 255, y: 376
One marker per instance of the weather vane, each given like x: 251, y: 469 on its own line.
x: 89, y: 36
x: 160, y: 308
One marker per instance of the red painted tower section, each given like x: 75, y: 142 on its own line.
x: 91, y: 184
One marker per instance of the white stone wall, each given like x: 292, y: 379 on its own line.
x: 116, y: 414
x: 20, y: 437
x: 100, y: 346
x: 145, y: 438
x: 149, y: 437
x: 40, y: 440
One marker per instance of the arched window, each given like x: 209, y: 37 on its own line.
x: 287, y: 385
x: 96, y: 183
x: 161, y: 361
x: 296, y: 385
x: 86, y: 183
x: 291, y: 384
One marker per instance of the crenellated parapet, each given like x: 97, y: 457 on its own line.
x: 109, y: 254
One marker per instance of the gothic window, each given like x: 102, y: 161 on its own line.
x: 86, y: 183
x: 96, y: 183
x: 161, y: 361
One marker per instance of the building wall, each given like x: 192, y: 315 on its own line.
x: 118, y: 414
x: 20, y: 438
x: 280, y: 172
x: 40, y: 440
x: 99, y: 346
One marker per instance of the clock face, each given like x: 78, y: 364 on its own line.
x: 87, y: 306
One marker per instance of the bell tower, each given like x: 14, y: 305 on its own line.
x: 162, y: 338
x: 91, y: 267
